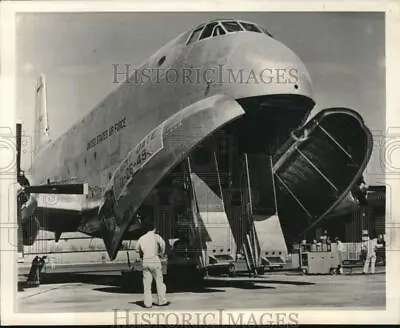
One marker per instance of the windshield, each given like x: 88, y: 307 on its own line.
x: 217, y: 28
x: 250, y: 27
x: 232, y: 26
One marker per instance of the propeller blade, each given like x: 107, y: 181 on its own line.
x: 18, y: 146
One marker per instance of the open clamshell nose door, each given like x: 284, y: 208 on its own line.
x: 317, y: 168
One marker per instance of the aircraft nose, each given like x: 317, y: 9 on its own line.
x: 261, y: 65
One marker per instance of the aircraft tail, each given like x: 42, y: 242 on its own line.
x: 42, y: 131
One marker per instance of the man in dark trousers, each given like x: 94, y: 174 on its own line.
x: 151, y: 248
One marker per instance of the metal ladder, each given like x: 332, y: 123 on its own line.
x: 195, y: 230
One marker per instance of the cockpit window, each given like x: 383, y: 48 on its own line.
x: 232, y: 26
x: 250, y: 27
x: 195, y: 35
x: 222, y: 27
x: 218, y: 30
x: 208, y: 30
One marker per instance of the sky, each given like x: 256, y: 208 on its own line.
x: 343, y: 52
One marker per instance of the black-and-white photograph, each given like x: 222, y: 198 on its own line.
x: 200, y: 161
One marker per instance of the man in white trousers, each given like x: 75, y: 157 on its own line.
x: 370, y: 246
x: 151, y: 248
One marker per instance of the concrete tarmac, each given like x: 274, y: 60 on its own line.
x: 101, y: 293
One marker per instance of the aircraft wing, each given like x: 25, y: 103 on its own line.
x: 50, y: 207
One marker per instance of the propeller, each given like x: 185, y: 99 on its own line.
x: 28, y: 223
x: 21, y: 178
x: 18, y: 146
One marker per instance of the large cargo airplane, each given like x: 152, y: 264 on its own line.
x: 211, y: 138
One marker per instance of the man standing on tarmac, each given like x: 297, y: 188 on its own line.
x: 370, y: 247
x: 151, y: 248
x: 340, y: 250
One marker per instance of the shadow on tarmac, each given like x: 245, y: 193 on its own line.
x: 112, y: 283
x: 94, y: 279
x: 286, y: 282
x: 183, y: 286
x: 141, y: 304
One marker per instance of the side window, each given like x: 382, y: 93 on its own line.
x: 208, y: 30
x: 218, y: 30
x: 195, y: 35
x: 250, y: 27
x: 232, y: 26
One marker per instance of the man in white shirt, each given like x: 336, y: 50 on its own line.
x: 340, y: 250
x: 151, y: 247
x: 370, y: 246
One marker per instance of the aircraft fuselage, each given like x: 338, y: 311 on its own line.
x: 170, y: 113
x: 92, y: 148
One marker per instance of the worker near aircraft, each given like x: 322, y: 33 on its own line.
x: 151, y: 250
x: 370, y: 247
x: 340, y: 250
